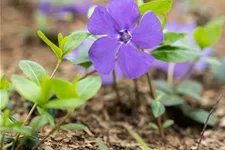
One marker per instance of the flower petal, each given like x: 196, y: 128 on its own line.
x: 149, y: 33
x: 133, y: 62
x: 101, y: 23
x: 102, y: 54
x: 125, y: 12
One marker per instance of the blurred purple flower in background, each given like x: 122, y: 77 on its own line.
x: 121, y: 38
x: 85, y: 46
x: 181, y: 68
x: 67, y: 7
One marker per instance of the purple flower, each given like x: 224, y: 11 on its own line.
x: 181, y: 68
x: 117, y: 23
x: 106, y: 79
x: 61, y: 10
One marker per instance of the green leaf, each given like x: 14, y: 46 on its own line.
x: 32, y: 70
x: 172, y: 37
x: 63, y: 89
x: 88, y: 87
x: 6, y: 138
x: 39, y: 122
x: 213, y: 61
x: 4, y: 99
x: 101, y: 144
x: 198, y: 115
x: 58, y: 52
x: 18, y: 129
x: 190, y: 88
x: 164, y: 86
x: 201, y: 37
x: 74, y: 126
x: 159, y: 7
x: 31, y: 141
x: 45, y: 89
x: 168, y: 123
x: 4, y: 117
x: 157, y: 108
x: 49, y: 117
x: 4, y: 84
x: 214, y: 30
x: 218, y: 71
x: 82, y: 58
x: 62, y: 44
x: 164, y: 22
x: 140, y: 2
x: 90, y: 11
x: 140, y: 141
x: 60, y: 38
x: 153, y: 126
x: 26, y: 88
x: 171, y: 100
x: 175, y: 54
x: 64, y: 103
x: 75, y: 39
x: 208, y: 35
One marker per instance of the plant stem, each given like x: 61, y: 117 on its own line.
x: 206, y: 122
x: 57, y: 66
x: 35, y: 105
x: 152, y: 93
x: 3, y: 136
x: 170, y: 73
x: 137, y: 92
x: 116, y: 86
x: 88, y: 74
x: 55, y: 128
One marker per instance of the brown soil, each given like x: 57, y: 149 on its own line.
x: 101, y: 114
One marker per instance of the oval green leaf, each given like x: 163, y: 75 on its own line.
x: 157, y: 108
x: 88, y: 87
x: 32, y: 70
x: 175, y: 54
x: 26, y: 88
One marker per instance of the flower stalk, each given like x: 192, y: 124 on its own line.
x: 153, y: 95
x: 116, y: 86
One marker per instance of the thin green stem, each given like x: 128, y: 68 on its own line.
x: 153, y: 95
x: 35, y: 105
x: 170, y: 73
x: 88, y: 74
x: 56, y: 127
x: 116, y: 86
x: 2, y: 140
x: 137, y: 101
x: 56, y: 68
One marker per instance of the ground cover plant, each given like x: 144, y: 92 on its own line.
x: 122, y: 40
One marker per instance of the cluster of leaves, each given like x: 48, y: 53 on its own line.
x: 45, y: 93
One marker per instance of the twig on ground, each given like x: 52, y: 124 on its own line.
x: 206, y: 122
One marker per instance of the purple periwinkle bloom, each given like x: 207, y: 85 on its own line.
x: 116, y: 23
x: 181, y: 68
x: 60, y: 10
x: 106, y: 79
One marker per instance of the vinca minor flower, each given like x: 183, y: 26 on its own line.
x: 76, y: 53
x: 181, y: 68
x: 64, y: 8
x: 120, y: 38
